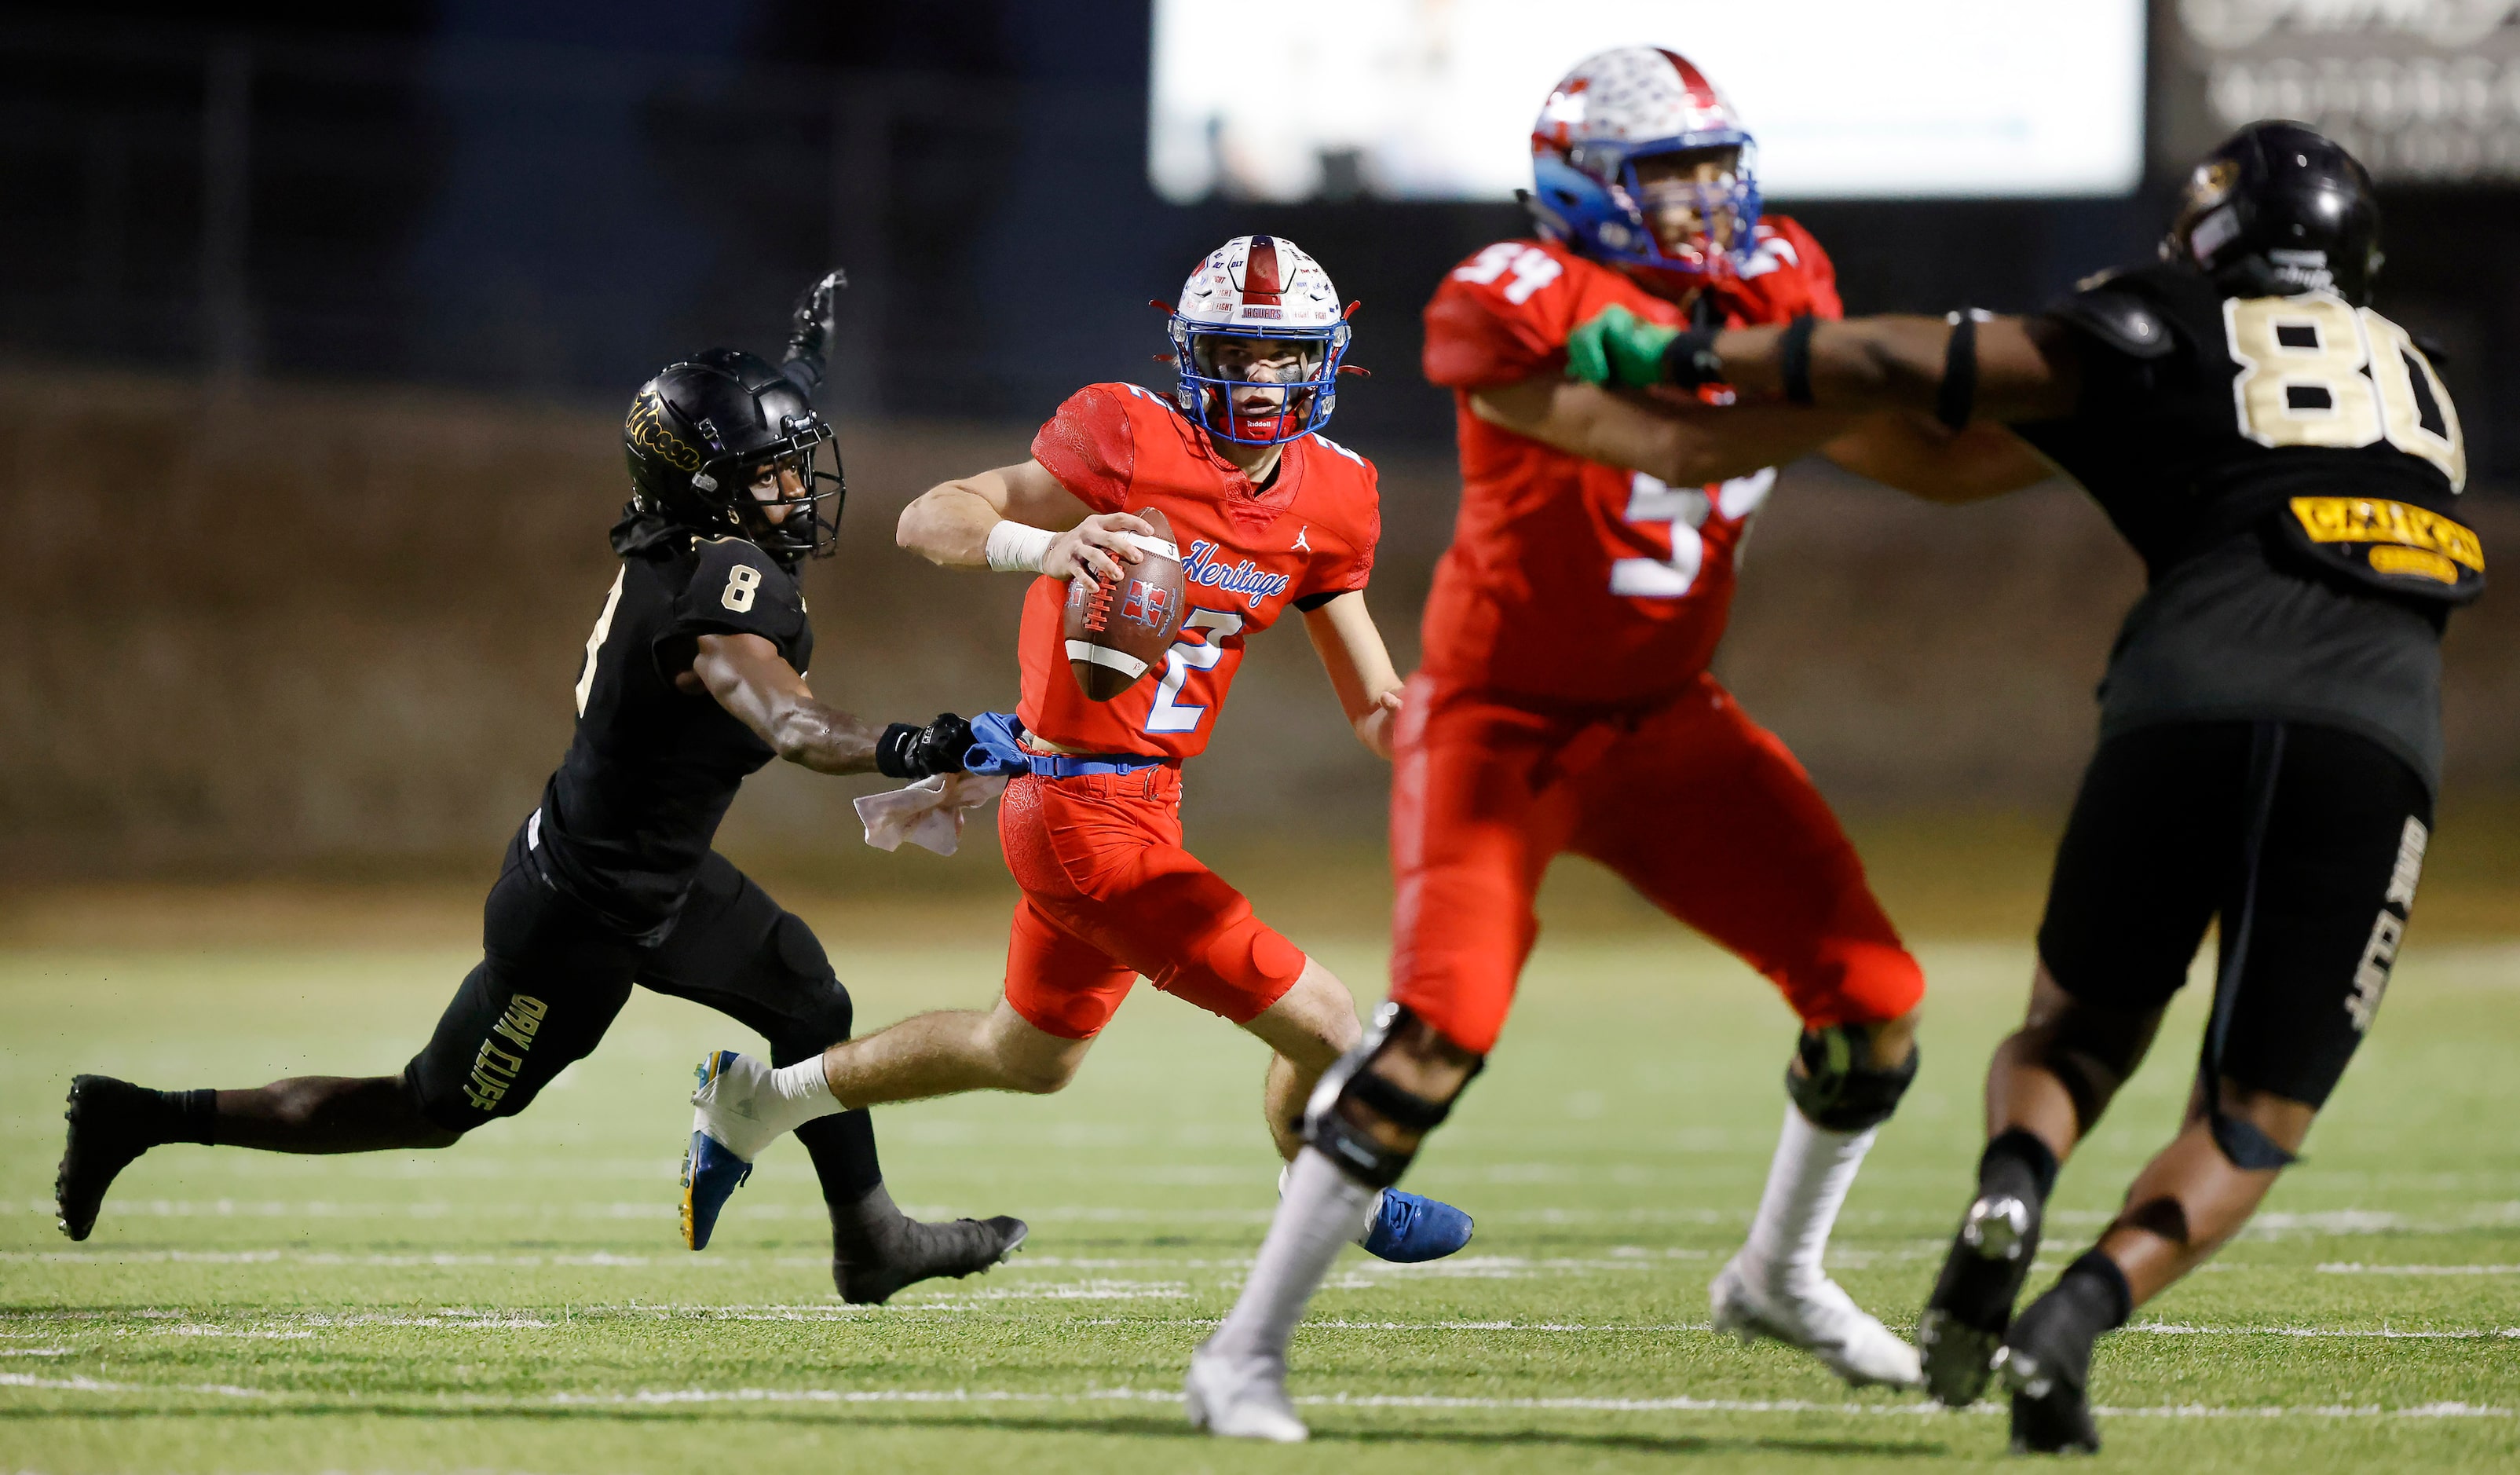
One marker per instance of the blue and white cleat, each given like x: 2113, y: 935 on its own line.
x: 1409, y: 1228
x: 714, y: 1164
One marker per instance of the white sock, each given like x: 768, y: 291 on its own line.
x: 1321, y: 1211
x: 1372, y: 1210
x: 1807, y: 1183
x: 795, y: 1095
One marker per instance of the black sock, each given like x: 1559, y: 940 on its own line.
x: 842, y: 1148
x: 2019, y: 1164
x: 187, y: 1117
x: 2098, y: 1292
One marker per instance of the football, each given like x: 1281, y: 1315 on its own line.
x: 1119, y: 628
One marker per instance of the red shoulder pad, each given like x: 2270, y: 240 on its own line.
x: 1091, y: 447
x: 1356, y: 498
x: 1496, y: 319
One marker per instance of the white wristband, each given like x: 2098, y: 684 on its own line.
x: 1013, y: 548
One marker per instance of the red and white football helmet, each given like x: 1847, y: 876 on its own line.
x: 1259, y: 287
x: 1623, y: 106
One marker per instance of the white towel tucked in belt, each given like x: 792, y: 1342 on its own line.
x: 927, y: 814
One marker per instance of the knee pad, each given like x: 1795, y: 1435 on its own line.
x: 1355, y: 1100
x: 1836, y: 1089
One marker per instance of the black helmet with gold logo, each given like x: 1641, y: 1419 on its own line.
x: 722, y: 442
x: 2278, y: 209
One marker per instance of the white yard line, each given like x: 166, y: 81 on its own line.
x: 654, y: 1397
x: 2382, y: 1333
x: 91, y: 1385
x: 295, y: 1325
x: 2348, y: 1268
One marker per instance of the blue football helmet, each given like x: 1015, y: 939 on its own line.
x: 1632, y: 104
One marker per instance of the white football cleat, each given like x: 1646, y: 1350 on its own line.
x: 1240, y: 1398
x: 1821, y: 1320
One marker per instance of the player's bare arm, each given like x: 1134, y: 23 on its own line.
x: 1925, y: 458
x: 1677, y: 444
x: 2003, y: 368
x: 1037, y: 526
x: 1352, y: 653
x: 761, y: 690
x: 2022, y: 368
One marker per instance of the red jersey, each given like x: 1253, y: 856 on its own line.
x: 1247, y: 553
x: 1569, y: 580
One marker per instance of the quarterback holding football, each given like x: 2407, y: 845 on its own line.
x: 1200, y: 516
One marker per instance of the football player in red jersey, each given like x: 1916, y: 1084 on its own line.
x: 1565, y: 705
x: 1269, y: 515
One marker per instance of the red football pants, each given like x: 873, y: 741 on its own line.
x: 1693, y: 804
x: 1110, y: 894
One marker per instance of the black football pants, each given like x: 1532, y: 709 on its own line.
x: 2303, y: 841
x: 553, y: 977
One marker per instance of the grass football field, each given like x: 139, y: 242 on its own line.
x: 521, y: 1303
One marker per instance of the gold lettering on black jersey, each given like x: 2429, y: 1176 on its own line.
x: 2397, y: 530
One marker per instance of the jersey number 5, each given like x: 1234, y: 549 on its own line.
x: 1168, y: 714
x: 2317, y: 372
x: 1685, y: 508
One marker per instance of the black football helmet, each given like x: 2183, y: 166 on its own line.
x: 2277, y: 210
x: 705, y: 431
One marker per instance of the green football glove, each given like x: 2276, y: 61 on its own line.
x: 1618, y: 349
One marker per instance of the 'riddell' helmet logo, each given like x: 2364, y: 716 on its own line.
x: 646, y: 430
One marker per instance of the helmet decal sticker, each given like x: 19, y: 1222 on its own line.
x: 1269, y: 295
x: 646, y: 430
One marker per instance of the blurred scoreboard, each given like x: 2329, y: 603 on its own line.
x: 1848, y: 99
x: 2420, y: 90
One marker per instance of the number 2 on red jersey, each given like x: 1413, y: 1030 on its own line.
x: 1169, y: 714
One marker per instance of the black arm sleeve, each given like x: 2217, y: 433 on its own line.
x: 805, y: 372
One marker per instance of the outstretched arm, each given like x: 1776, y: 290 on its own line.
x: 749, y: 678
x: 2005, y: 369
x: 1017, y: 519
x: 2025, y: 368
x: 1351, y: 648
x: 1676, y: 443
x: 1919, y: 457
x: 754, y: 683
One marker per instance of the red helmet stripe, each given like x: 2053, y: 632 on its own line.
x: 1260, y: 284
x: 1700, y: 91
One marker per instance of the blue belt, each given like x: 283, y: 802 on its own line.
x: 1077, y: 765
x: 998, y: 738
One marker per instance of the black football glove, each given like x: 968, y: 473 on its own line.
x: 911, y: 752
x: 811, y: 327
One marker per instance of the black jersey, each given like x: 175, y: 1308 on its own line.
x: 627, y: 819
x: 2288, y: 467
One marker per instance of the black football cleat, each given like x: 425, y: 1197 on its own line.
x: 111, y: 1122
x: 876, y: 1249
x: 1965, y: 1317
x: 2047, y: 1362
